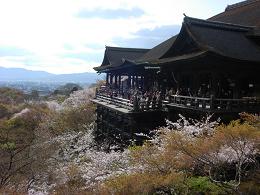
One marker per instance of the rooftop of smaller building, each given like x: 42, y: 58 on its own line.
x: 116, y: 56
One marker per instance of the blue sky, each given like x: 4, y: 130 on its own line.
x: 68, y: 36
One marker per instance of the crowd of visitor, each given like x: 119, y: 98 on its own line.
x: 141, y: 100
x: 153, y: 98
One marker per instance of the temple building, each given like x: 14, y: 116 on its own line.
x: 211, y: 66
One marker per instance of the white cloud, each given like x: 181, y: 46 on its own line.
x: 52, y: 64
x: 46, y: 27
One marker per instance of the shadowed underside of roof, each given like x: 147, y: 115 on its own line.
x: 244, y: 13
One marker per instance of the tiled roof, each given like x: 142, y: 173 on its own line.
x: 240, y: 4
x: 116, y: 56
x: 196, y: 35
x: 234, y: 34
x: 225, y: 39
x: 158, y: 51
x: 243, y: 13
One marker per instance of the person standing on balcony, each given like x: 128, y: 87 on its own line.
x: 154, y: 100
x: 136, y: 102
x: 148, y: 100
x: 142, y: 102
x: 159, y: 100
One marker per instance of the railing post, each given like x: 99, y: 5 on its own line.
x: 135, y: 103
x: 212, y: 99
x: 246, y: 103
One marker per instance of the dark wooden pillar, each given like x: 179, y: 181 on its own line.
x: 132, y: 81
x: 142, y: 82
x: 107, y: 79
x: 111, y: 79
x: 192, y: 83
x: 146, y: 83
x: 213, y: 86
x: 178, y: 79
x: 236, y: 88
x: 116, y: 81
x: 119, y: 82
x: 136, y: 81
x: 129, y: 81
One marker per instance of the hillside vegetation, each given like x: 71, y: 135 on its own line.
x: 47, y: 147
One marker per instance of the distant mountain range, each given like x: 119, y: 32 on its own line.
x: 20, y: 74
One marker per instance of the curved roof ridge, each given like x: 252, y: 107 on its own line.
x: 158, y: 51
x: 217, y: 24
x: 240, y: 4
x: 126, y: 49
x: 179, y: 46
x: 117, y: 56
x: 223, y: 38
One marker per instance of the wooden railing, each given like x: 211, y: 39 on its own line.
x: 197, y: 103
x: 117, y: 101
x: 218, y: 104
x: 137, y: 106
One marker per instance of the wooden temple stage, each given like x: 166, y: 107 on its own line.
x: 211, y: 67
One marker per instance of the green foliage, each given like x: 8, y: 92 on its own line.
x: 3, y: 110
x: 34, y: 95
x: 17, y: 149
x: 10, y: 96
x: 134, y: 148
x: 178, y: 164
x: 26, y: 129
x: 60, y: 98
x: 202, y: 185
x: 146, y: 183
x: 74, y: 183
x: 67, y: 89
x: 72, y: 119
x: 182, y: 164
x: 7, y: 146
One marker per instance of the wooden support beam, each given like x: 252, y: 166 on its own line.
x: 142, y: 82
x: 107, y: 79
x: 119, y: 82
x: 132, y: 81
x: 116, y: 81
x: 136, y: 81
x: 111, y: 79
x: 129, y: 81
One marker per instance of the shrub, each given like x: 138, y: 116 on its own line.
x: 195, y: 158
x: 71, y: 119
x: 20, y: 155
x: 146, y: 183
x: 3, y: 110
x: 11, y: 96
x: 203, y: 185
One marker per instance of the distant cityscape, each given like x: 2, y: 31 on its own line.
x: 42, y: 82
x: 43, y: 88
